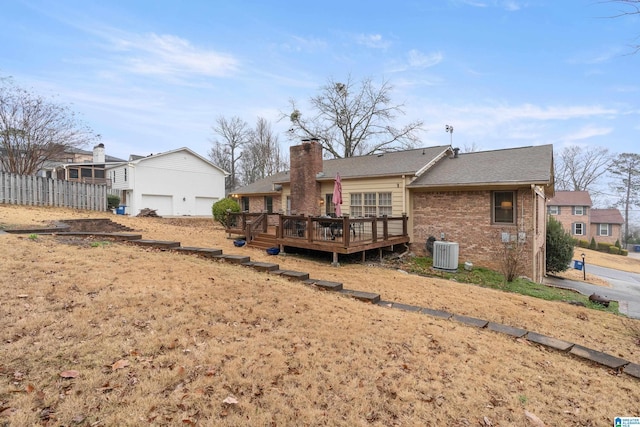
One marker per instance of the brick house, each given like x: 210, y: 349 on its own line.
x: 482, y: 200
x: 606, y: 225
x: 573, y: 209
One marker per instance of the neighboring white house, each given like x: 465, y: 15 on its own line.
x: 178, y: 182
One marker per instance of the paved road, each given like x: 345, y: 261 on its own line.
x: 625, y: 288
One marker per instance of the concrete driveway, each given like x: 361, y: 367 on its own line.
x: 625, y: 287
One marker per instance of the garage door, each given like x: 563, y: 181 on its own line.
x: 163, y: 205
x: 203, y: 205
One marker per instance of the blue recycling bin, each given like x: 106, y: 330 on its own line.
x: 636, y: 248
x: 120, y: 210
x: 578, y: 264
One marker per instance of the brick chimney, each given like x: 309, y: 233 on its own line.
x: 305, y: 164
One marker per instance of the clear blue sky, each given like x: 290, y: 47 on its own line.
x: 152, y: 76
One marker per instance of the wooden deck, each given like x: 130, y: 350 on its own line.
x: 335, y: 235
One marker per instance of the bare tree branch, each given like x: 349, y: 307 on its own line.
x: 34, y: 130
x: 235, y: 133
x: 352, y: 119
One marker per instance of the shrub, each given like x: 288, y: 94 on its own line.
x: 593, y: 245
x: 113, y: 201
x: 617, y: 244
x: 614, y: 250
x: 605, y: 247
x: 512, y: 258
x: 583, y: 244
x: 559, y: 247
x: 220, y: 208
x: 624, y: 252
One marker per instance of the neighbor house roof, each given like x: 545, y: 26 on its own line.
x: 107, y: 158
x: 513, y: 166
x: 606, y: 216
x: 570, y: 198
x: 137, y: 159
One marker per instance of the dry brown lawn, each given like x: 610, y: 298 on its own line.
x: 111, y: 334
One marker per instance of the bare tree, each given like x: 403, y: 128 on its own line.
x: 578, y: 168
x: 234, y: 134
x: 629, y: 7
x: 352, y: 119
x: 262, y: 156
x: 625, y: 170
x: 34, y: 130
x: 471, y: 148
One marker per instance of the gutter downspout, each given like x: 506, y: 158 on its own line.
x: 534, y: 245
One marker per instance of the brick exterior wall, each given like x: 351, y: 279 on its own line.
x: 567, y: 218
x: 465, y: 217
x: 305, y: 164
x: 257, y: 205
x: 616, y: 234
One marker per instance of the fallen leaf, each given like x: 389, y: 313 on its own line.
x: 30, y: 388
x: 69, y: 374
x: 230, y: 400
x: 122, y: 363
x: 534, y: 419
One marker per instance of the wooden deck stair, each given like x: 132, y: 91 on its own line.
x: 263, y: 241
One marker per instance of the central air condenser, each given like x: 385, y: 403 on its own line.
x: 445, y: 256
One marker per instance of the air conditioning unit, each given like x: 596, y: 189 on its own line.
x: 445, y: 256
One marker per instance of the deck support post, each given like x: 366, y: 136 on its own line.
x: 335, y: 262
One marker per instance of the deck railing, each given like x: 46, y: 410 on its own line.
x: 326, y: 229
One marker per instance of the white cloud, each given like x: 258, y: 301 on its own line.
x: 375, y: 41
x: 418, y: 59
x: 168, y: 55
x: 415, y: 60
x: 304, y: 44
x: 587, y: 132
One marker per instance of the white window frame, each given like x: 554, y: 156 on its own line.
x: 574, y: 227
x: 371, y: 204
x: 579, y: 210
x: 607, y: 230
x: 554, y: 210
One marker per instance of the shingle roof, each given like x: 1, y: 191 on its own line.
x: 606, y: 216
x: 524, y: 165
x: 570, y: 198
x: 530, y: 165
x: 264, y: 186
x: 394, y: 163
x: 406, y: 162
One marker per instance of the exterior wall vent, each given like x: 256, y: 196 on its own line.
x: 445, y: 255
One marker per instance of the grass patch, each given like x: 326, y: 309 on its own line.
x: 487, y: 278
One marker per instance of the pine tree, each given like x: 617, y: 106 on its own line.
x: 559, y: 247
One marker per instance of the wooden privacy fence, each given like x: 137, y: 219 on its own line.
x: 40, y: 191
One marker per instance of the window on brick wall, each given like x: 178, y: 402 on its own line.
x: 504, y: 205
x: 244, y: 204
x: 604, y: 229
x: 578, y: 210
x: 554, y: 210
x: 268, y: 204
x: 578, y: 229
